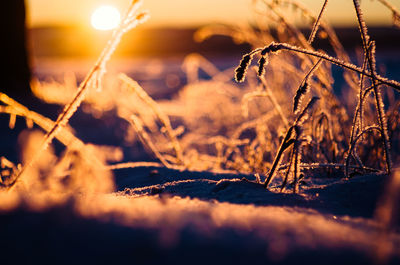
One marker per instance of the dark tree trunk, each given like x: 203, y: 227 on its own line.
x: 14, y: 67
x: 14, y: 70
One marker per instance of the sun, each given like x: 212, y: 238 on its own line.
x: 105, y: 18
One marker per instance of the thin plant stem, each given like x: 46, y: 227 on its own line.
x: 274, y: 101
x: 353, y: 144
x: 346, y: 65
x: 358, y: 115
x: 304, y: 87
x: 138, y: 90
x: 369, y: 53
x: 317, y: 23
x: 91, y: 79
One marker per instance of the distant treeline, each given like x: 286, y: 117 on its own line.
x: 66, y: 41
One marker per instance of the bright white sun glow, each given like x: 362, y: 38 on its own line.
x: 105, y: 18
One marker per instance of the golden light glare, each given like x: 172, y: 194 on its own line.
x: 105, y: 18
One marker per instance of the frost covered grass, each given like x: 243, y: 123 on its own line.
x: 228, y: 153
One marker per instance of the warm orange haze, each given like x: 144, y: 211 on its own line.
x: 200, y: 132
x: 185, y: 13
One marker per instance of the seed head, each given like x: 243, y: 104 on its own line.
x: 241, y: 70
x: 299, y: 96
x: 261, y: 65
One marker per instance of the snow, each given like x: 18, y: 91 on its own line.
x: 159, y: 215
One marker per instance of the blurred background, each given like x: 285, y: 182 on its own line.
x: 63, y: 27
x: 64, y: 38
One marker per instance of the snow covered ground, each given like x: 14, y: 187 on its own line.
x: 173, y: 217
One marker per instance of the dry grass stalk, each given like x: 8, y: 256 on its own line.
x: 350, y: 76
x: 250, y: 145
x: 171, y: 134
x: 370, y: 55
x: 264, y: 92
x: 292, y: 137
x: 376, y: 79
x: 93, y: 79
x: 275, y: 47
x: 241, y: 70
x: 358, y: 119
x: 225, y: 147
x: 354, y: 143
x: 324, y: 144
x: 7, y: 172
x: 395, y: 12
x: 299, y: 38
x: 146, y: 140
x: 304, y: 88
x: 331, y: 141
x: 65, y: 136
x: 12, y: 107
x: 274, y: 101
x: 317, y: 23
x: 293, y: 30
x: 194, y: 61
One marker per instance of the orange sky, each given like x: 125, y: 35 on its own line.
x: 188, y: 12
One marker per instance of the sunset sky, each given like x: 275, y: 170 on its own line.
x: 183, y: 13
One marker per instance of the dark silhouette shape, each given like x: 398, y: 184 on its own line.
x: 14, y: 70
x: 14, y: 66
